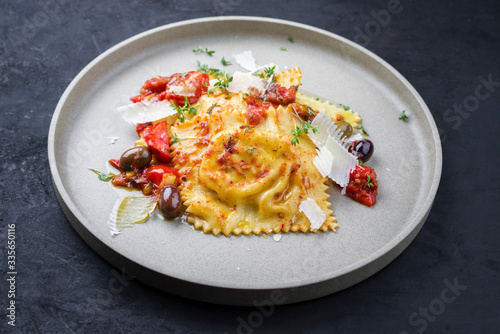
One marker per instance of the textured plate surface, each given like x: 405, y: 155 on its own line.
x: 237, y: 270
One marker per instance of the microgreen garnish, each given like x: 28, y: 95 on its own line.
x: 248, y: 128
x: 362, y: 129
x: 283, y: 48
x: 181, y: 111
x: 368, y: 183
x: 102, y: 176
x: 306, y: 126
x: 317, y: 99
x: 175, y: 139
x: 209, y: 111
x: 346, y: 108
x: 225, y: 62
x: 403, y: 116
x: 209, y: 70
x: 223, y: 82
x: 251, y: 149
x: 268, y: 72
x: 291, y: 39
x: 208, y: 52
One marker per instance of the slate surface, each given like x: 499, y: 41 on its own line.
x: 446, y: 281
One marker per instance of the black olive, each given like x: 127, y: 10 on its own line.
x: 363, y: 149
x: 345, y: 127
x: 138, y: 157
x: 170, y: 201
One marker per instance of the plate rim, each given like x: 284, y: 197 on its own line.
x: 414, y: 223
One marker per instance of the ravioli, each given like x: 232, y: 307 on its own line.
x: 243, y: 178
x: 241, y: 154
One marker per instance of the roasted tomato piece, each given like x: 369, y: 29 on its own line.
x: 363, y: 185
x: 280, y: 95
x: 115, y: 163
x: 137, y: 98
x: 191, y: 85
x: 155, y: 173
x: 155, y: 85
x: 141, y: 126
x: 156, y: 136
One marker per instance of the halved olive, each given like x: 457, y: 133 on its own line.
x: 363, y: 149
x: 345, y: 127
x: 138, y: 157
x: 170, y: 201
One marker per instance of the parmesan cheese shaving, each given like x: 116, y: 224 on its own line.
x: 329, y: 139
x: 313, y: 212
x: 323, y: 161
x: 246, y: 60
x: 242, y: 82
x: 141, y: 113
x: 130, y: 210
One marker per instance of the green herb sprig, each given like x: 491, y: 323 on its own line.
x: 346, y: 108
x: 223, y: 82
x: 225, y: 62
x: 305, y: 127
x: 175, y: 139
x: 181, y: 111
x: 362, y: 129
x: 207, y: 51
x: 251, y: 149
x: 368, y: 183
x: 209, y: 70
x: 403, y: 116
x: 102, y: 176
x: 268, y: 72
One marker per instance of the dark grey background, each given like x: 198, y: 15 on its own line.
x: 441, y: 47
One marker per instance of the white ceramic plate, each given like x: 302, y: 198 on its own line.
x: 238, y: 270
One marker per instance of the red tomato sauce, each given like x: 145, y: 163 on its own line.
x: 363, y: 185
x: 176, y: 88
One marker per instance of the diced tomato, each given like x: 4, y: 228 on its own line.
x: 156, y: 136
x: 255, y: 110
x: 192, y: 85
x: 363, y: 185
x: 255, y: 113
x: 120, y: 180
x: 280, y: 95
x: 155, y: 173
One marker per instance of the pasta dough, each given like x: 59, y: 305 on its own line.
x: 242, y: 178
